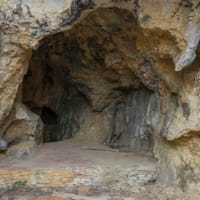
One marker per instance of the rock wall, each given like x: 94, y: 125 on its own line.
x: 111, y: 47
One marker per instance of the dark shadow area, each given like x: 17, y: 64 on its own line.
x: 91, y: 83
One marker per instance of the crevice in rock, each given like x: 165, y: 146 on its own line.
x: 48, y: 116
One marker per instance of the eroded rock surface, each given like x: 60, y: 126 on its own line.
x: 128, y: 67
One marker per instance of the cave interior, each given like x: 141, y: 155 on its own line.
x: 89, y: 83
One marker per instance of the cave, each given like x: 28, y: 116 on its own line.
x: 86, y: 83
x: 101, y: 93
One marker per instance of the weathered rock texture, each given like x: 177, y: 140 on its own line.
x: 106, y: 71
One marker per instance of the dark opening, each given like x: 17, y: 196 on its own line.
x: 91, y: 83
x: 48, y: 116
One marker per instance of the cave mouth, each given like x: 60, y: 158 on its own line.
x: 82, y: 83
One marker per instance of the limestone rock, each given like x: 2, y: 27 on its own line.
x: 3, y: 145
x: 22, y: 149
x: 106, y: 49
x: 84, y: 190
x: 25, y: 126
x: 51, y: 198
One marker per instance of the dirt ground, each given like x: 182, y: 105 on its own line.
x: 111, y: 175
x: 149, y: 192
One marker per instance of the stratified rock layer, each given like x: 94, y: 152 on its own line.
x: 132, y: 63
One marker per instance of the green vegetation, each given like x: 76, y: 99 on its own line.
x: 18, y: 185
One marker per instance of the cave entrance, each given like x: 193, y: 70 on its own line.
x: 82, y: 83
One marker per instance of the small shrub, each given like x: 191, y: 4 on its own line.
x: 18, y: 185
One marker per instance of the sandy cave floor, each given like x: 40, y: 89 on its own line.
x: 96, y: 173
